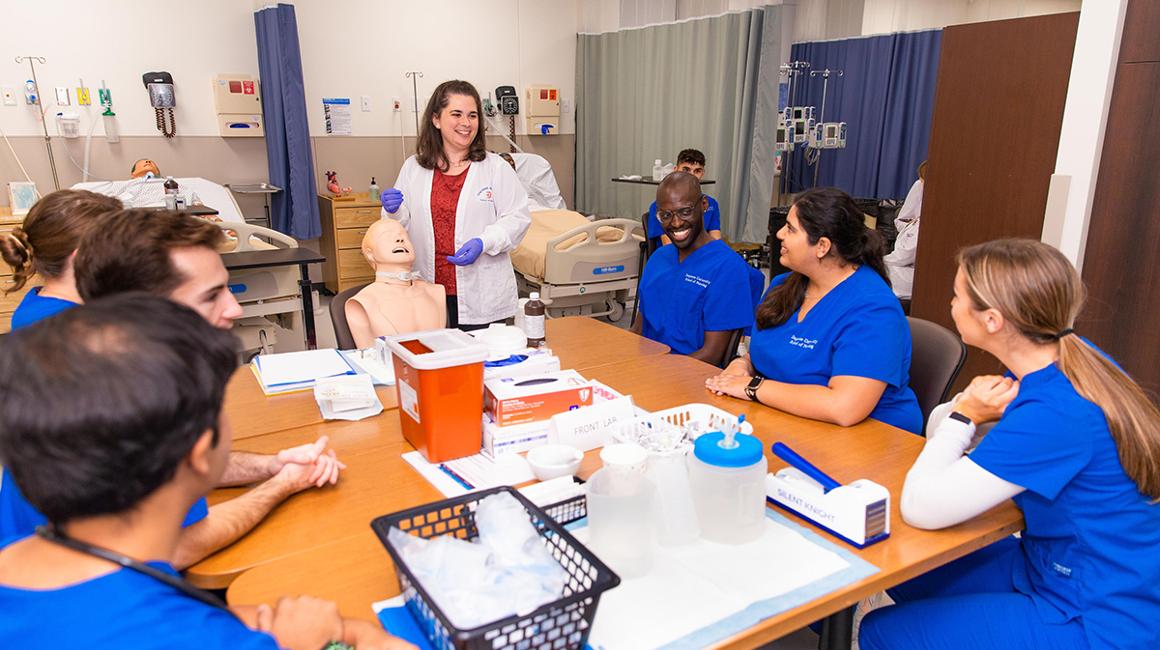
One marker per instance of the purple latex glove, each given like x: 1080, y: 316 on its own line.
x: 392, y: 199
x: 467, y: 253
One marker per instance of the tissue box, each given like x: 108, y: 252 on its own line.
x: 535, y: 398
x: 539, y: 361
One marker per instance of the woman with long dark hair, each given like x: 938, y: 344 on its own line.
x: 831, y: 341
x: 463, y: 207
x: 1076, y: 444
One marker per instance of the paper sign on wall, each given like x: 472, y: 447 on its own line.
x: 336, y: 110
x: 590, y: 427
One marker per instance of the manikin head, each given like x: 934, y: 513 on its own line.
x: 144, y: 167
x: 387, y: 247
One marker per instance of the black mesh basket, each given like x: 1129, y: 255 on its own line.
x: 563, y: 623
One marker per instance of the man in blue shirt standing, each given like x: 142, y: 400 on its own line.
x: 695, y: 293
x: 692, y: 162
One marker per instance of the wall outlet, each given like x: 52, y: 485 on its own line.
x: 365, y: 101
x: 565, y: 106
x: 62, y: 96
x: 9, y: 94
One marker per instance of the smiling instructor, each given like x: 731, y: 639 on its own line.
x: 464, y: 209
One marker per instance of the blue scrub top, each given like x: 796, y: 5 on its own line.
x: 710, y: 291
x: 35, y: 308
x: 1091, y: 549
x: 712, y: 218
x: 122, y: 609
x: 18, y: 518
x: 857, y: 329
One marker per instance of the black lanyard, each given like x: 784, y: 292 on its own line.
x: 55, y: 536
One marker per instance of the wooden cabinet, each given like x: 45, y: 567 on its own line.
x: 9, y: 302
x: 343, y: 225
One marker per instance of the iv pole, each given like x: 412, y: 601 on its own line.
x: 822, y: 115
x: 43, y: 123
x: 792, y: 70
x: 414, y: 74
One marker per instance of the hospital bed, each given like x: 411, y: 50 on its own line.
x: 579, y: 267
x: 270, y: 297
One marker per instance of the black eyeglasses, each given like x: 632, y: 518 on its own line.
x: 684, y: 213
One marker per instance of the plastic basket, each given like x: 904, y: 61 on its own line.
x: 695, y: 417
x: 563, y: 623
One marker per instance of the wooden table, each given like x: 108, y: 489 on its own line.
x: 356, y: 571
x: 581, y: 343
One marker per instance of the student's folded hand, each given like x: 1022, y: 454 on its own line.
x: 987, y: 396
x: 725, y: 383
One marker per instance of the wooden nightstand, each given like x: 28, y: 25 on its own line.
x: 343, y: 225
x: 9, y: 302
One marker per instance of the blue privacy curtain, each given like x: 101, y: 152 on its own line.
x: 294, y: 210
x: 886, y: 98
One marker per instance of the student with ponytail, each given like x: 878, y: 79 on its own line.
x: 1076, y: 444
x: 831, y: 341
x: 44, y: 245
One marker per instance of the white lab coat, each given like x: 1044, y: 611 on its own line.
x: 900, y: 262
x: 493, y: 206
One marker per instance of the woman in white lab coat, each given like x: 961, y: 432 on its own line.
x: 464, y: 209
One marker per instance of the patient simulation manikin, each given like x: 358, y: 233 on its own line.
x: 398, y: 301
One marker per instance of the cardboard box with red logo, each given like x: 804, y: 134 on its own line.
x: 535, y: 398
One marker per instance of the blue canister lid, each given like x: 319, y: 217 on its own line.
x: 709, y: 450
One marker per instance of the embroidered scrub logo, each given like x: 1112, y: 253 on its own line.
x: 802, y: 342
x: 486, y: 195
x: 697, y: 280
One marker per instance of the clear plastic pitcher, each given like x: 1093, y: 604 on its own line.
x: 620, y: 519
x: 728, y: 484
x: 676, y: 518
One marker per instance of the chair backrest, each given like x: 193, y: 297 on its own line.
x: 650, y: 243
x: 936, y: 357
x: 730, y: 349
x: 344, y: 340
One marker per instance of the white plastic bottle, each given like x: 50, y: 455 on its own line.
x: 658, y: 170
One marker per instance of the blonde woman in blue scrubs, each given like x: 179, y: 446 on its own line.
x: 1076, y: 445
x: 831, y: 341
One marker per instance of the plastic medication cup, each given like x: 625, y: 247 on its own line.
x: 728, y: 487
x: 439, y: 379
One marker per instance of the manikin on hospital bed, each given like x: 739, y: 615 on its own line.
x: 579, y: 267
x: 270, y: 299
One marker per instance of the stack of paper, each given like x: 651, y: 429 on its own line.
x: 291, y: 371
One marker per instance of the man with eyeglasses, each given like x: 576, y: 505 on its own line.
x: 695, y: 293
x: 693, y: 162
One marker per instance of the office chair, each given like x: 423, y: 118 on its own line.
x: 344, y: 340
x: 730, y: 349
x: 936, y: 358
x: 646, y: 248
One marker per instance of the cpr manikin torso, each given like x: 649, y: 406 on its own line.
x: 395, y: 303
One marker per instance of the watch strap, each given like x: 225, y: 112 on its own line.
x: 955, y: 415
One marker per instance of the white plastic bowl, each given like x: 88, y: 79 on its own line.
x: 552, y: 461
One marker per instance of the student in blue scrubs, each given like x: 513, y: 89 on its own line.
x: 175, y: 256
x: 45, y: 244
x: 690, y: 161
x: 831, y: 341
x: 1076, y: 445
x: 117, y: 481
x: 695, y: 292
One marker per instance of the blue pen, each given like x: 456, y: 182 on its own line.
x: 458, y: 479
x: 790, y: 456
